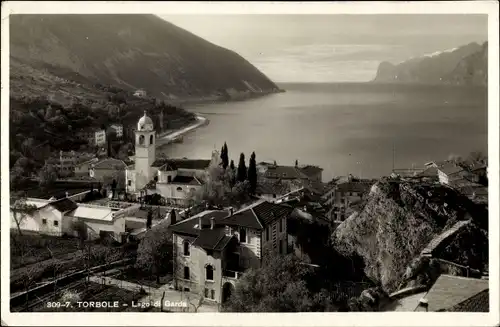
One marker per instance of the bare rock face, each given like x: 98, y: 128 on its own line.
x: 466, y: 65
x: 400, y: 220
x: 132, y: 52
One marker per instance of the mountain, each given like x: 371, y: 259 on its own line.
x: 132, y: 52
x: 463, y: 65
x: 473, y: 69
x: 400, y: 223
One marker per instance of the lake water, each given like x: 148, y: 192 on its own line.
x: 345, y: 128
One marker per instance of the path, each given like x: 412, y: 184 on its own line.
x: 200, y: 121
x: 155, y: 294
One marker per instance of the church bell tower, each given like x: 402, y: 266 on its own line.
x: 145, y: 154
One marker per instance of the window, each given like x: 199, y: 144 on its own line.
x: 151, y: 139
x: 129, y: 182
x: 206, y: 292
x: 209, y: 272
x: 56, y: 223
x: 179, y: 189
x: 210, y: 252
x: 243, y: 235
x: 212, y: 294
x: 186, y: 289
x: 141, y: 139
x: 169, y: 178
x: 274, y: 196
x: 186, y: 272
x: 44, y: 221
x: 186, y: 248
x: 281, y: 225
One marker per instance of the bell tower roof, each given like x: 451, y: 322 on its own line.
x: 145, y: 123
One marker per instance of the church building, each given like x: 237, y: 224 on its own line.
x: 176, y: 180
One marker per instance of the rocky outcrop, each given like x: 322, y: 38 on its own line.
x: 399, y: 220
x: 461, y: 66
x: 133, y: 52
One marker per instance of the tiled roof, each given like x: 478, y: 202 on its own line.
x: 450, y: 168
x: 354, y: 187
x: 477, y: 303
x: 64, y: 205
x: 223, y: 243
x: 38, y: 203
x: 258, y: 215
x: 284, y: 172
x: 439, y: 239
x: 189, y: 225
x: 448, y: 291
x: 186, y: 180
x: 272, y: 187
x: 175, y: 164
x: 429, y: 172
x: 93, y: 212
x: 310, y: 170
x: 110, y: 163
x: 209, y: 238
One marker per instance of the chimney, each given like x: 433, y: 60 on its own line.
x: 212, y: 223
x: 67, y: 194
x: 200, y: 226
x: 424, y: 303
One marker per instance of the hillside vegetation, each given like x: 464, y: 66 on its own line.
x: 132, y: 52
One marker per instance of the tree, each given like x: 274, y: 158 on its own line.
x: 47, y: 176
x: 232, y: 165
x: 149, y: 220
x: 20, y: 211
x: 173, y: 216
x: 280, y: 285
x: 49, y: 112
x: 27, y: 147
x: 69, y: 296
x: 242, y: 169
x: 224, y: 155
x: 113, y: 187
x: 252, y: 173
x: 154, y: 254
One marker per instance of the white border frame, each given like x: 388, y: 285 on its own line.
x: 269, y: 319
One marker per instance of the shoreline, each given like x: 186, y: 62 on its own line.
x: 168, y: 138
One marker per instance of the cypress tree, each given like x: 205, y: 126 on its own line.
x: 231, y: 165
x: 149, y: 221
x: 242, y: 169
x: 224, y: 156
x: 252, y: 173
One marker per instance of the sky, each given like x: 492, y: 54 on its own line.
x: 333, y: 48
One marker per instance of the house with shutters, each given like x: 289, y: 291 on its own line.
x: 212, y: 249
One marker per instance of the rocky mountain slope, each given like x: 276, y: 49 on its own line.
x: 131, y: 52
x: 405, y: 230
x: 464, y: 65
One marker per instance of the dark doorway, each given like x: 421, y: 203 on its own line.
x: 227, y: 290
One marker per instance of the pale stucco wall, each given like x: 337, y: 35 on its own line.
x: 197, y: 262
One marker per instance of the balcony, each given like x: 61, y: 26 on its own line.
x: 231, y: 274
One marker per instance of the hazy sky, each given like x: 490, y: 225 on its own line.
x: 330, y: 48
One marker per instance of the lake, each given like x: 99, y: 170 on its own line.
x: 345, y: 128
